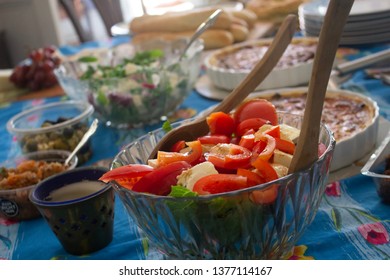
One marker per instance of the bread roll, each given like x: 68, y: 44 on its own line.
x: 240, y: 33
x: 178, y: 21
x: 270, y: 9
x: 212, y: 38
x: 249, y: 16
x: 239, y: 21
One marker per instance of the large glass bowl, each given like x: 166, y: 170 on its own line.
x: 145, y: 94
x: 229, y: 225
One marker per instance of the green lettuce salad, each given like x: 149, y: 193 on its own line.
x: 136, y: 91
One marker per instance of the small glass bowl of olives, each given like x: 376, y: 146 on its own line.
x: 53, y: 126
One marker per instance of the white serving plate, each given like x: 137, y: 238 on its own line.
x: 279, y: 77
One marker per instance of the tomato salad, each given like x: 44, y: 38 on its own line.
x: 242, y: 149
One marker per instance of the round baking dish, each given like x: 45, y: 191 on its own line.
x: 289, y: 72
x: 351, y: 146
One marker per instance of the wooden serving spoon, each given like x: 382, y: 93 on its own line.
x: 199, y: 127
x: 306, y: 152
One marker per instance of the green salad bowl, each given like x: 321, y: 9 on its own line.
x: 127, y: 89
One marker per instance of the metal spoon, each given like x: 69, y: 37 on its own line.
x: 210, y: 21
x: 306, y: 152
x: 91, y: 130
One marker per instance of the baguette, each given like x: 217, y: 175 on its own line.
x: 269, y: 9
x: 178, y: 21
x: 212, y: 38
x: 239, y: 21
x: 249, y: 16
x: 240, y: 33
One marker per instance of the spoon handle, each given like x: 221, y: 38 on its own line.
x: 306, y: 152
x: 210, y: 21
x: 279, y: 44
x: 83, y: 140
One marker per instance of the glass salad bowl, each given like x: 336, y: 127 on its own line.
x: 133, y: 86
x: 230, y: 225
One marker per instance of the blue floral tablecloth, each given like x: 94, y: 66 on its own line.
x: 351, y: 223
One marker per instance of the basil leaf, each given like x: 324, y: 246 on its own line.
x: 88, y: 59
x: 180, y: 191
x: 167, y: 126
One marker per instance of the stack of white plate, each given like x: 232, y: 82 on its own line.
x: 368, y: 22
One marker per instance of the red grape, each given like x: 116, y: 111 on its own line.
x: 37, y: 73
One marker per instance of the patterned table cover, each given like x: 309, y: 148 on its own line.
x: 351, y: 224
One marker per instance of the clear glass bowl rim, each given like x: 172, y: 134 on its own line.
x: 88, y: 110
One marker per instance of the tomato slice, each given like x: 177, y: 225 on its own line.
x: 321, y: 149
x: 256, y: 108
x: 269, y: 148
x: 253, y: 179
x: 164, y: 158
x: 247, y: 141
x: 265, y: 170
x: 214, y: 139
x: 274, y: 131
x: 229, y: 156
x: 219, y: 183
x: 161, y: 180
x: 285, y: 146
x: 127, y: 175
x: 265, y: 196
x: 248, y: 124
x: 221, y: 123
x: 178, y: 146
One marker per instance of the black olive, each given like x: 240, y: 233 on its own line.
x: 68, y: 132
x: 32, y: 145
x: 61, y: 119
x: 46, y: 124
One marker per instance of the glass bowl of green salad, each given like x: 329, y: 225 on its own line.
x: 219, y: 216
x: 133, y: 86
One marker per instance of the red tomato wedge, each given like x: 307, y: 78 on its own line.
x: 178, y: 146
x: 247, y: 141
x: 229, y: 156
x: 248, y: 124
x: 253, y: 179
x: 273, y: 131
x: 219, y: 183
x: 221, y: 123
x: 161, y: 180
x: 256, y: 108
x: 321, y: 149
x: 265, y: 169
x: 269, y: 148
x: 265, y: 196
x: 127, y: 175
x: 285, y: 146
x: 214, y: 139
x: 164, y: 158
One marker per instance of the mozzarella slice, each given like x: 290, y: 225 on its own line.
x: 189, y: 177
x: 282, y: 158
x: 289, y: 133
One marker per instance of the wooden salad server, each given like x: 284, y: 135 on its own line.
x: 306, y: 152
x: 198, y: 127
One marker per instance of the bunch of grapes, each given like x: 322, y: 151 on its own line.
x: 37, y: 72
